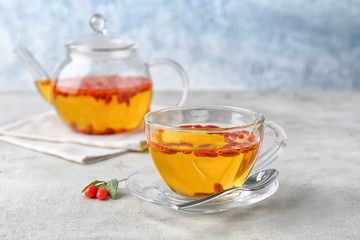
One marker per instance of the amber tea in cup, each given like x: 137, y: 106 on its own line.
x: 199, y: 151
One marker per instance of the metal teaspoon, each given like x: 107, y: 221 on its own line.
x: 256, y: 181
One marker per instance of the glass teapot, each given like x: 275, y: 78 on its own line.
x: 103, y: 86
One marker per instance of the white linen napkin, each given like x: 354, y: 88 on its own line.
x: 46, y: 133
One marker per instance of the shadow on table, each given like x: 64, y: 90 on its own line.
x: 291, y: 205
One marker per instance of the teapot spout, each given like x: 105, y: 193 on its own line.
x: 41, y: 77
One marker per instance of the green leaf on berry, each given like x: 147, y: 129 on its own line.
x: 102, y: 185
x: 111, y: 187
x: 93, y: 183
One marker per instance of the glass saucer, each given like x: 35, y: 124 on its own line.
x: 148, y: 185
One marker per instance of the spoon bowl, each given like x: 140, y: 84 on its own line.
x: 255, y: 182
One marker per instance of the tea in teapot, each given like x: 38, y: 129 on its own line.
x: 102, y: 100
x: 102, y: 86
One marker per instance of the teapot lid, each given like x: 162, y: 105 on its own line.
x: 99, y: 40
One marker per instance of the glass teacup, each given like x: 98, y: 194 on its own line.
x: 202, y: 150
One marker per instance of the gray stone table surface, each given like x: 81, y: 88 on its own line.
x: 318, y: 197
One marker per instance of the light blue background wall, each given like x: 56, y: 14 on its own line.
x: 234, y: 44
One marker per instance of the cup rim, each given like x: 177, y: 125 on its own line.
x: 259, y: 119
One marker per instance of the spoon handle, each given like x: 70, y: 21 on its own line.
x: 209, y: 198
x: 264, y: 178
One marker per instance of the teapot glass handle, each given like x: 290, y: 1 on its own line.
x: 274, y: 151
x: 182, y: 73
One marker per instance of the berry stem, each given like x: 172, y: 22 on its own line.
x: 121, y: 180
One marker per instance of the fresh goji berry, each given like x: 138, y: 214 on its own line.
x: 90, y: 191
x: 101, y: 193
